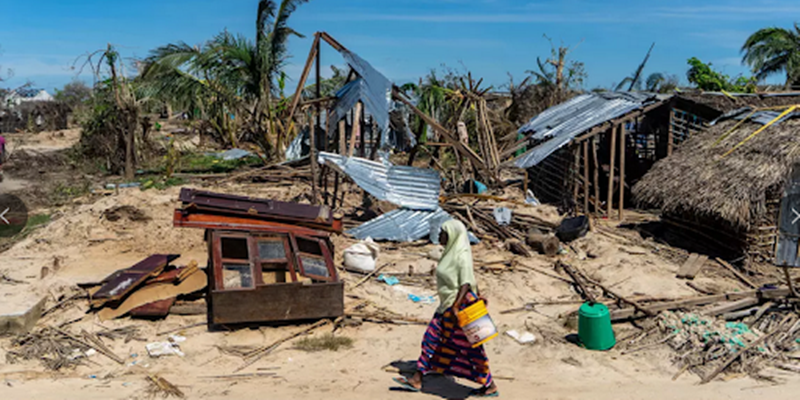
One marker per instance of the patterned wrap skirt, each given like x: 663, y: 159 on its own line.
x: 446, y: 350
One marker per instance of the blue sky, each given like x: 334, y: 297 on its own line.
x: 40, y: 39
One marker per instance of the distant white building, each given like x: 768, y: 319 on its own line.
x: 15, y: 99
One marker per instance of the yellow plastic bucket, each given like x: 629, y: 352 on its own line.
x: 477, y: 324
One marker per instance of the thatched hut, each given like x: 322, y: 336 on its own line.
x: 733, y: 199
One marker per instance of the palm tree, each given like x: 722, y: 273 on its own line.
x: 774, y: 50
x: 230, y: 76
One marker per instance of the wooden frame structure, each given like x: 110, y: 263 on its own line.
x: 603, y: 150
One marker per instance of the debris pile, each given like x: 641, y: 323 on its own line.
x: 707, y: 346
x: 147, y: 289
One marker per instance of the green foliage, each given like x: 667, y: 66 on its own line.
x: 328, y: 86
x: 210, y: 163
x: 37, y: 220
x: 74, y: 94
x: 774, y: 50
x: 230, y: 79
x: 706, y: 78
x: 324, y: 342
x: 159, y: 182
x: 62, y: 193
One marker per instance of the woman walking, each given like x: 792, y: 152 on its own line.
x: 445, y: 349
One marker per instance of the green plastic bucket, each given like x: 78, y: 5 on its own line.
x: 594, y: 327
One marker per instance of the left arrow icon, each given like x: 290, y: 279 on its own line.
x: 3, y: 216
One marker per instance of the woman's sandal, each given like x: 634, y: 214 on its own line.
x: 482, y: 393
x: 403, y: 382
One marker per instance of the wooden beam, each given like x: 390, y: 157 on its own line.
x: 356, y: 128
x: 460, y: 147
x: 574, y: 175
x: 625, y: 118
x: 306, y: 70
x: 669, y: 132
x: 331, y: 41
x: 622, y: 151
x: 586, y: 178
x: 611, y: 171
x: 597, y: 209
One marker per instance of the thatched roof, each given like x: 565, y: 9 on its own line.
x: 694, y: 180
x: 732, y: 101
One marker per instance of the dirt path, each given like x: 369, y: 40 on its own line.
x: 10, y: 184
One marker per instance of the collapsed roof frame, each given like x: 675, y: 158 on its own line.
x: 313, y: 60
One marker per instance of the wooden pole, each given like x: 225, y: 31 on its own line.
x: 356, y: 128
x: 622, y: 151
x: 574, y: 175
x: 306, y: 70
x: 586, y: 178
x: 597, y: 209
x: 611, y: 171
x: 669, y: 132
x: 341, y: 150
x: 525, y: 184
x: 314, y: 167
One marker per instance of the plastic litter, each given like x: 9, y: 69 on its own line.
x: 480, y: 187
x: 521, y: 338
x: 422, y: 299
x: 531, y: 199
x: 171, y: 347
x: 389, y: 280
x: 361, y: 256
x: 502, y: 215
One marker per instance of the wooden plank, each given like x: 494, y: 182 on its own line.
x: 155, y: 292
x: 120, y: 283
x: 695, y: 268
x: 278, y: 302
x: 155, y: 309
x: 611, y: 171
x: 586, y: 178
x: 687, y: 265
x: 312, y: 54
x: 622, y: 148
x: 731, y: 306
x: 626, y: 313
x: 738, y: 274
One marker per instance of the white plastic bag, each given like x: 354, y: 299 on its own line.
x: 361, y: 256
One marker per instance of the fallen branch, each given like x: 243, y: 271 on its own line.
x: 163, y: 386
x: 100, y: 349
x: 738, y: 274
x: 371, y: 274
x: 260, y: 353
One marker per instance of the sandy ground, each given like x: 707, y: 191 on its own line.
x: 81, y: 245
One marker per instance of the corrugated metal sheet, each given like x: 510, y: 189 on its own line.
x: 408, y: 187
x: 562, y: 123
x: 400, y: 225
x: 375, y: 91
x: 789, y: 224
